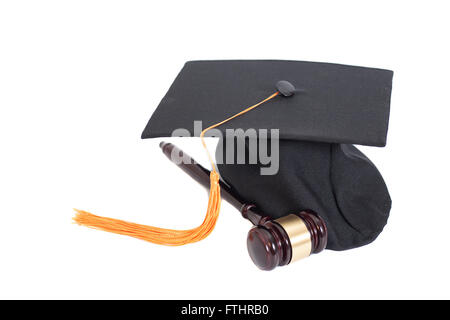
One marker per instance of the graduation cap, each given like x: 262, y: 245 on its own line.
x: 322, y: 192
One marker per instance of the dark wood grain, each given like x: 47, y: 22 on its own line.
x: 268, y: 243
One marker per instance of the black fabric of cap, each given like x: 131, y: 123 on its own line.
x: 336, y: 181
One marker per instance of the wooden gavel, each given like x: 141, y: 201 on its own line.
x: 271, y: 242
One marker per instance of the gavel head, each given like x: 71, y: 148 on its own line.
x: 278, y: 242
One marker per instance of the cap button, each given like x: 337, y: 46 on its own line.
x: 286, y: 88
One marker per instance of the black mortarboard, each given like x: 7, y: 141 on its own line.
x: 334, y: 103
x: 322, y: 180
x: 333, y: 106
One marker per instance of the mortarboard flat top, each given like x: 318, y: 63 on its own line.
x: 337, y: 103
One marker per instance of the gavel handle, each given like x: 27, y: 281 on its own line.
x: 201, y: 175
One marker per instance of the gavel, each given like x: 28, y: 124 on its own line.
x: 270, y: 242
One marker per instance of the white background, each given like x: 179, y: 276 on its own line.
x: 80, y: 79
